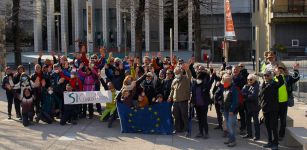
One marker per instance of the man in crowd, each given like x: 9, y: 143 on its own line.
x: 180, y: 96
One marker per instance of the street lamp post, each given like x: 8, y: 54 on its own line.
x: 57, y: 23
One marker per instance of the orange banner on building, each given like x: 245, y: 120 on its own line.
x: 229, y: 26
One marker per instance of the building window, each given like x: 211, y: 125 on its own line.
x: 258, y: 4
x: 296, y: 6
x: 254, y: 3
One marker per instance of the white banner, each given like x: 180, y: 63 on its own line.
x: 88, y: 97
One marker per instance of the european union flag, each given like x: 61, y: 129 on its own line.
x: 153, y: 119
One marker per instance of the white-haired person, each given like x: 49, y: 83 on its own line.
x: 231, y: 104
x: 268, y: 99
x: 250, y: 93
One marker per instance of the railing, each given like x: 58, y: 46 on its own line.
x: 290, y: 9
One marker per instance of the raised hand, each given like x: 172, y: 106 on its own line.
x: 185, y: 66
x: 61, y: 81
x: 296, y: 66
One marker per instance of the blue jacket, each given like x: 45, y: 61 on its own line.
x: 231, y: 99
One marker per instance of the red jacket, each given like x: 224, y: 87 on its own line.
x: 76, y: 84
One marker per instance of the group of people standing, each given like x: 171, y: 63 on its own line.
x: 231, y: 89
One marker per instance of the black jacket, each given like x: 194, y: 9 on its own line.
x: 205, y: 90
x: 250, y: 94
x: 149, y: 90
x: 268, y: 96
x: 6, y: 81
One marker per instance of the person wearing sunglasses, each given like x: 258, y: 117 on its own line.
x: 250, y: 93
x: 268, y: 99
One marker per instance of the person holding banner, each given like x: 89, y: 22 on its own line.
x: 69, y: 113
x: 110, y: 113
x: 50, y: 100
x: 77, y: 85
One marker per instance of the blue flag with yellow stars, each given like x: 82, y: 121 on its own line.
x: 153, y: 119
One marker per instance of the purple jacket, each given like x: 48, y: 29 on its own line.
x: 89, y: 80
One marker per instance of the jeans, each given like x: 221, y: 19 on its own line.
x: 282, y: 115
x: 231, y: 122
x: 249, y: 117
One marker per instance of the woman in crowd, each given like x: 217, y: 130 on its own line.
x: 250, y: 93
x: 90, y: 76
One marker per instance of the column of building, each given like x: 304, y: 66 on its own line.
x: 37, y: 26
x: 64, y: 25
x: 161, y: 24
x: 132, y: 13
x: 175, y: 25
x: 77, y: 23
x: 50, y: 25
x: 147, y: 25
x: 190, y: 25
x: 105, y: 33
x: 118, y: 25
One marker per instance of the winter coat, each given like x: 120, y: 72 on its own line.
x: 231, y: 99
x: 268, y: 95
x: 149, y: 90
x: 49, y: 101
x: 5, y: 82
x: 89, y: 80
x: 250, y: 94
x: 204, y: 88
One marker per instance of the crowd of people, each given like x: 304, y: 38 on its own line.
x: 156, y: 79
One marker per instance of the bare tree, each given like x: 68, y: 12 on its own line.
x: 16, y: 31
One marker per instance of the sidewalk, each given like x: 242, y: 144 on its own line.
x: 92, y: 134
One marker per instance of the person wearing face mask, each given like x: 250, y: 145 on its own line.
x: 68, y: 113
x: 48, y: 105
x: 90, y: 76
x: 110, y: 113
x: 9, y: 91
x: 268, y: 99
x: 77, y: 85
x: 230, y: 108
x: 160, y: 81
x: 149, y: 88
x: 38, y: 74
x: 17, y: 92
x: 201, y: 99
x: 250, y: 93
x: 180, y: 96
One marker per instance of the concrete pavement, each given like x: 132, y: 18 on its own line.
x: 92, y: 134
